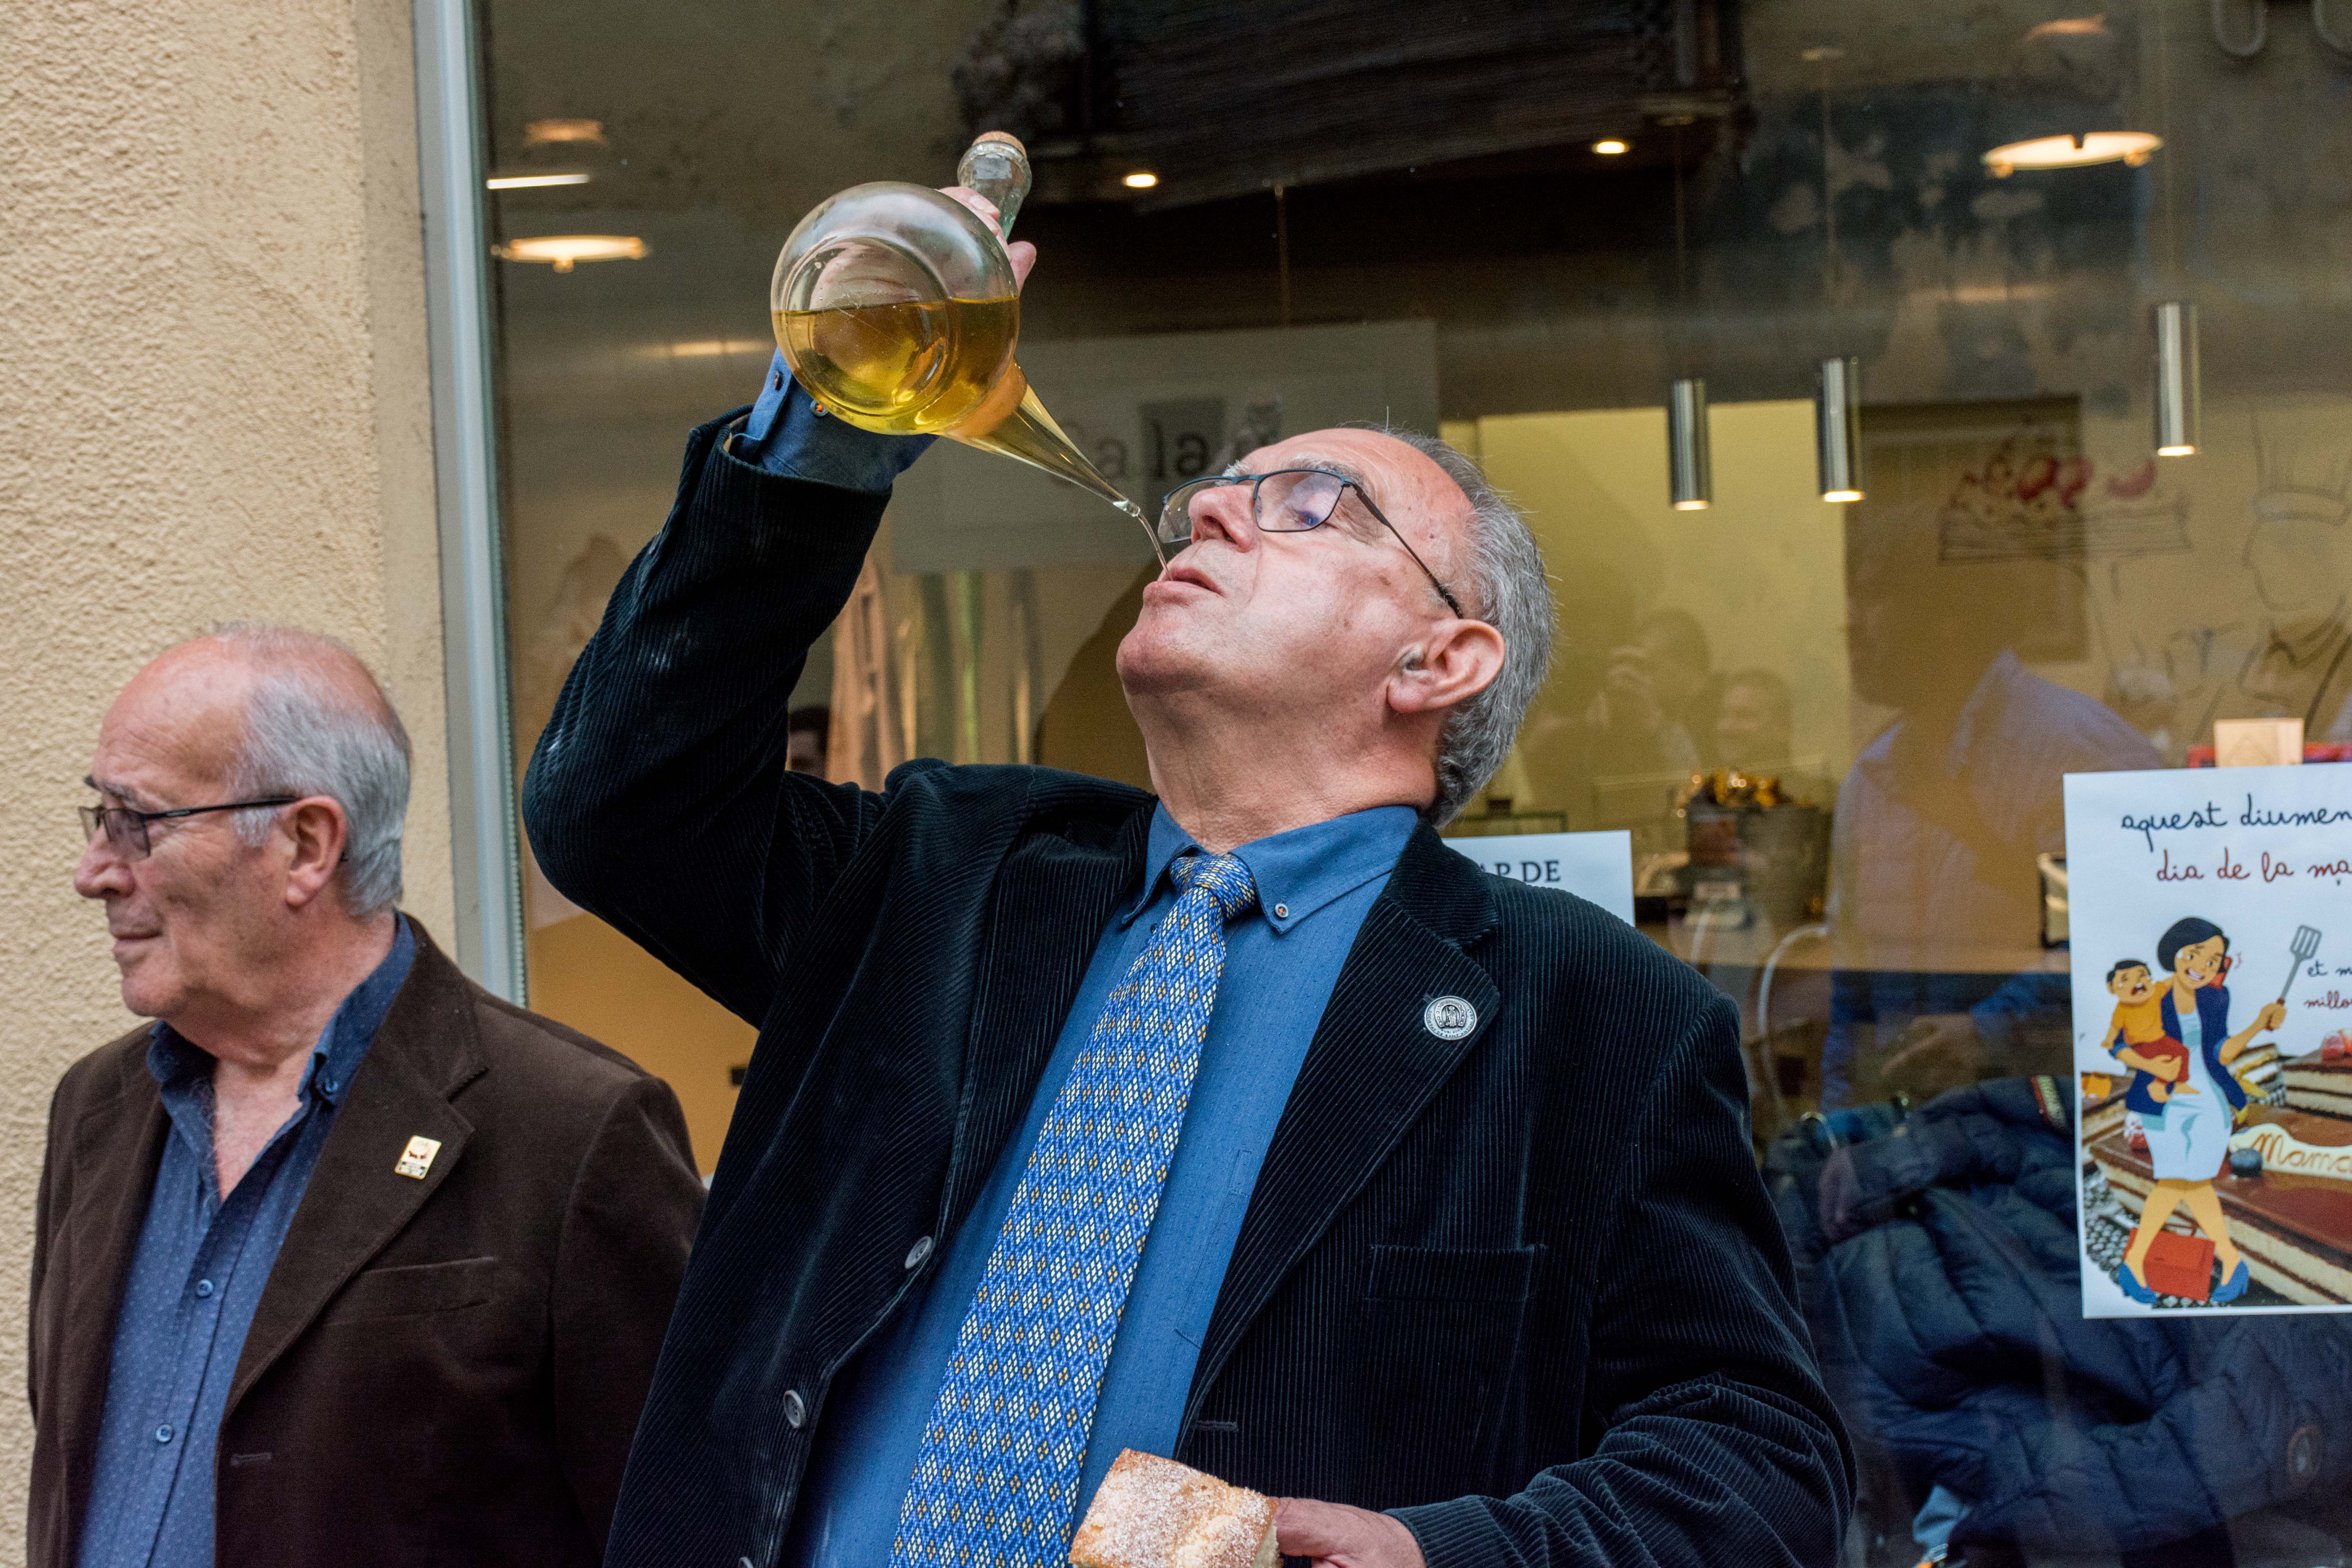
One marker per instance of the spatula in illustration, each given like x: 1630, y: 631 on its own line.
x: 2305, y: 944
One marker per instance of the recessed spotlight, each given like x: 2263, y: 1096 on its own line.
x: 545, y: 133
x: 533, y: 181
x: 1141, y: 179
x: 707, y: 348
x: 2131, y: 148
x: 1610, y: 148
x: 568, y: 250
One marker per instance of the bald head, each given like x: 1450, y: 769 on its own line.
x: 253, y: 781
x: 266, y: 710
x: 1389, y: 646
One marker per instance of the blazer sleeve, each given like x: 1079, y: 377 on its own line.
x: 1710, y: 1439
x: 635, y: 1203
x: 659, y: 796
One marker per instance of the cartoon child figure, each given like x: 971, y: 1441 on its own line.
x: 2135, y: 1036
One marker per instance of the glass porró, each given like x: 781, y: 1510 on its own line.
x: 898, y: 310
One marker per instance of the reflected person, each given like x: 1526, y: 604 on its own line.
x: 1754, y: 723
x: 342, y: 1259
x: 1405, y: 1228
x: 1648, y: 713
x: 1934, y: 899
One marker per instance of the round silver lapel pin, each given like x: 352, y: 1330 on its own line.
x: 1449, y: 1017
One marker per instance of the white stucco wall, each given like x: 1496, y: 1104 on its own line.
x: 213, y: 404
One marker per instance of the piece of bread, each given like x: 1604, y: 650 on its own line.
x: 1152, y: 1512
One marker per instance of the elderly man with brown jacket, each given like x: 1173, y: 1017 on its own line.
x: 342, y: 1259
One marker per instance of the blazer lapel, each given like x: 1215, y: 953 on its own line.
x: 427, y: 1049
x: 1045, y: 919
x: 1371, y: 1068
x: 117, y: 1146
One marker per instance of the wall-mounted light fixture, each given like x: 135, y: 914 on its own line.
x: 533, y: 181
x: 1610, y: 147
x: 2130, y: 148
x: 1690, y: 467
x: 2177, y: 396
x: 1837, y: 429
x: 1141, y: 179
x: 566, y: 251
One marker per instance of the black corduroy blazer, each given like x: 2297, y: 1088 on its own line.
x: 1523, y: 1285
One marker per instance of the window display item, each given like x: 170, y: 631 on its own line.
x: 2180, y: 1266
x: 2209, y: 902
x: 2065, y: 1430
x: 1152, y: 1512
x: 896, y: 307
x: 2257, y: 742
x: 1752, y: 850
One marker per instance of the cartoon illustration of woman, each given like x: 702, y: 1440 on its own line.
x: 2189, y: 1134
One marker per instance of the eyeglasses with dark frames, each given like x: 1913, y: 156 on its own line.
x: 126, y: 829
x: 1287, y: 500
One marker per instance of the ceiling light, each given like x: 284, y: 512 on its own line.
x: 1690, y: 471
x: 546, y: 132
x: 567, y: 250
x: 707, y: 348
x: 533, y: 181
x: 1610, y: 148
x: 2132, y: 148
x: 2176, y: 396
x: 1141, y: 179
x: 1837, y: 429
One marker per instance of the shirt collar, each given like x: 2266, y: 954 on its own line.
x: 175, y: 1062
x: 1296, y: 872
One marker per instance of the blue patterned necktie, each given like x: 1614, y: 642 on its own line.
x: 996, y: 1480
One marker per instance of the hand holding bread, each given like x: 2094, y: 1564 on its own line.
x: 1152, y: 1512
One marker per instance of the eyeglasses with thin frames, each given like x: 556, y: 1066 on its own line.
x: 1285, y: 500
x: 126, y: 829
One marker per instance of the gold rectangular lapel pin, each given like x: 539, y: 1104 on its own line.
x: 417, y: 1158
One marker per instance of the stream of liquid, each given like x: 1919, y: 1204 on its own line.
x: 938, y: 368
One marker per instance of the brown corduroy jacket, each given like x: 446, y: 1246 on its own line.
x: 443, y: 1371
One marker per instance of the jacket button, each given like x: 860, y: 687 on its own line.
x: 796, y: 1409
x: 919, y: 1252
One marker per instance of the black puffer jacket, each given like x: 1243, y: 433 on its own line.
x: 1938, y: 1266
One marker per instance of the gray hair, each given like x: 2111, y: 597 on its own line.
x: 1513, y: 596
x: 304, y: 735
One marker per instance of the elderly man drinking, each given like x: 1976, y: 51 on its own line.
x: 341, y: 1260
x: 1430, y: 1206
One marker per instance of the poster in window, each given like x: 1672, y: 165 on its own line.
x: 2211, y: 957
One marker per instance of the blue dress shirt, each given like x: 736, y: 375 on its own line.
x: 784, y: 434
x: 1282, y: 960
x: 195, y: 1281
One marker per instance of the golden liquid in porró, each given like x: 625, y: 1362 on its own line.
x: 934, y: 368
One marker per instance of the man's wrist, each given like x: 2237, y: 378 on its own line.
x: 784, y: 434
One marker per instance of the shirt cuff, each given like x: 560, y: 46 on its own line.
x: 785, y: 435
